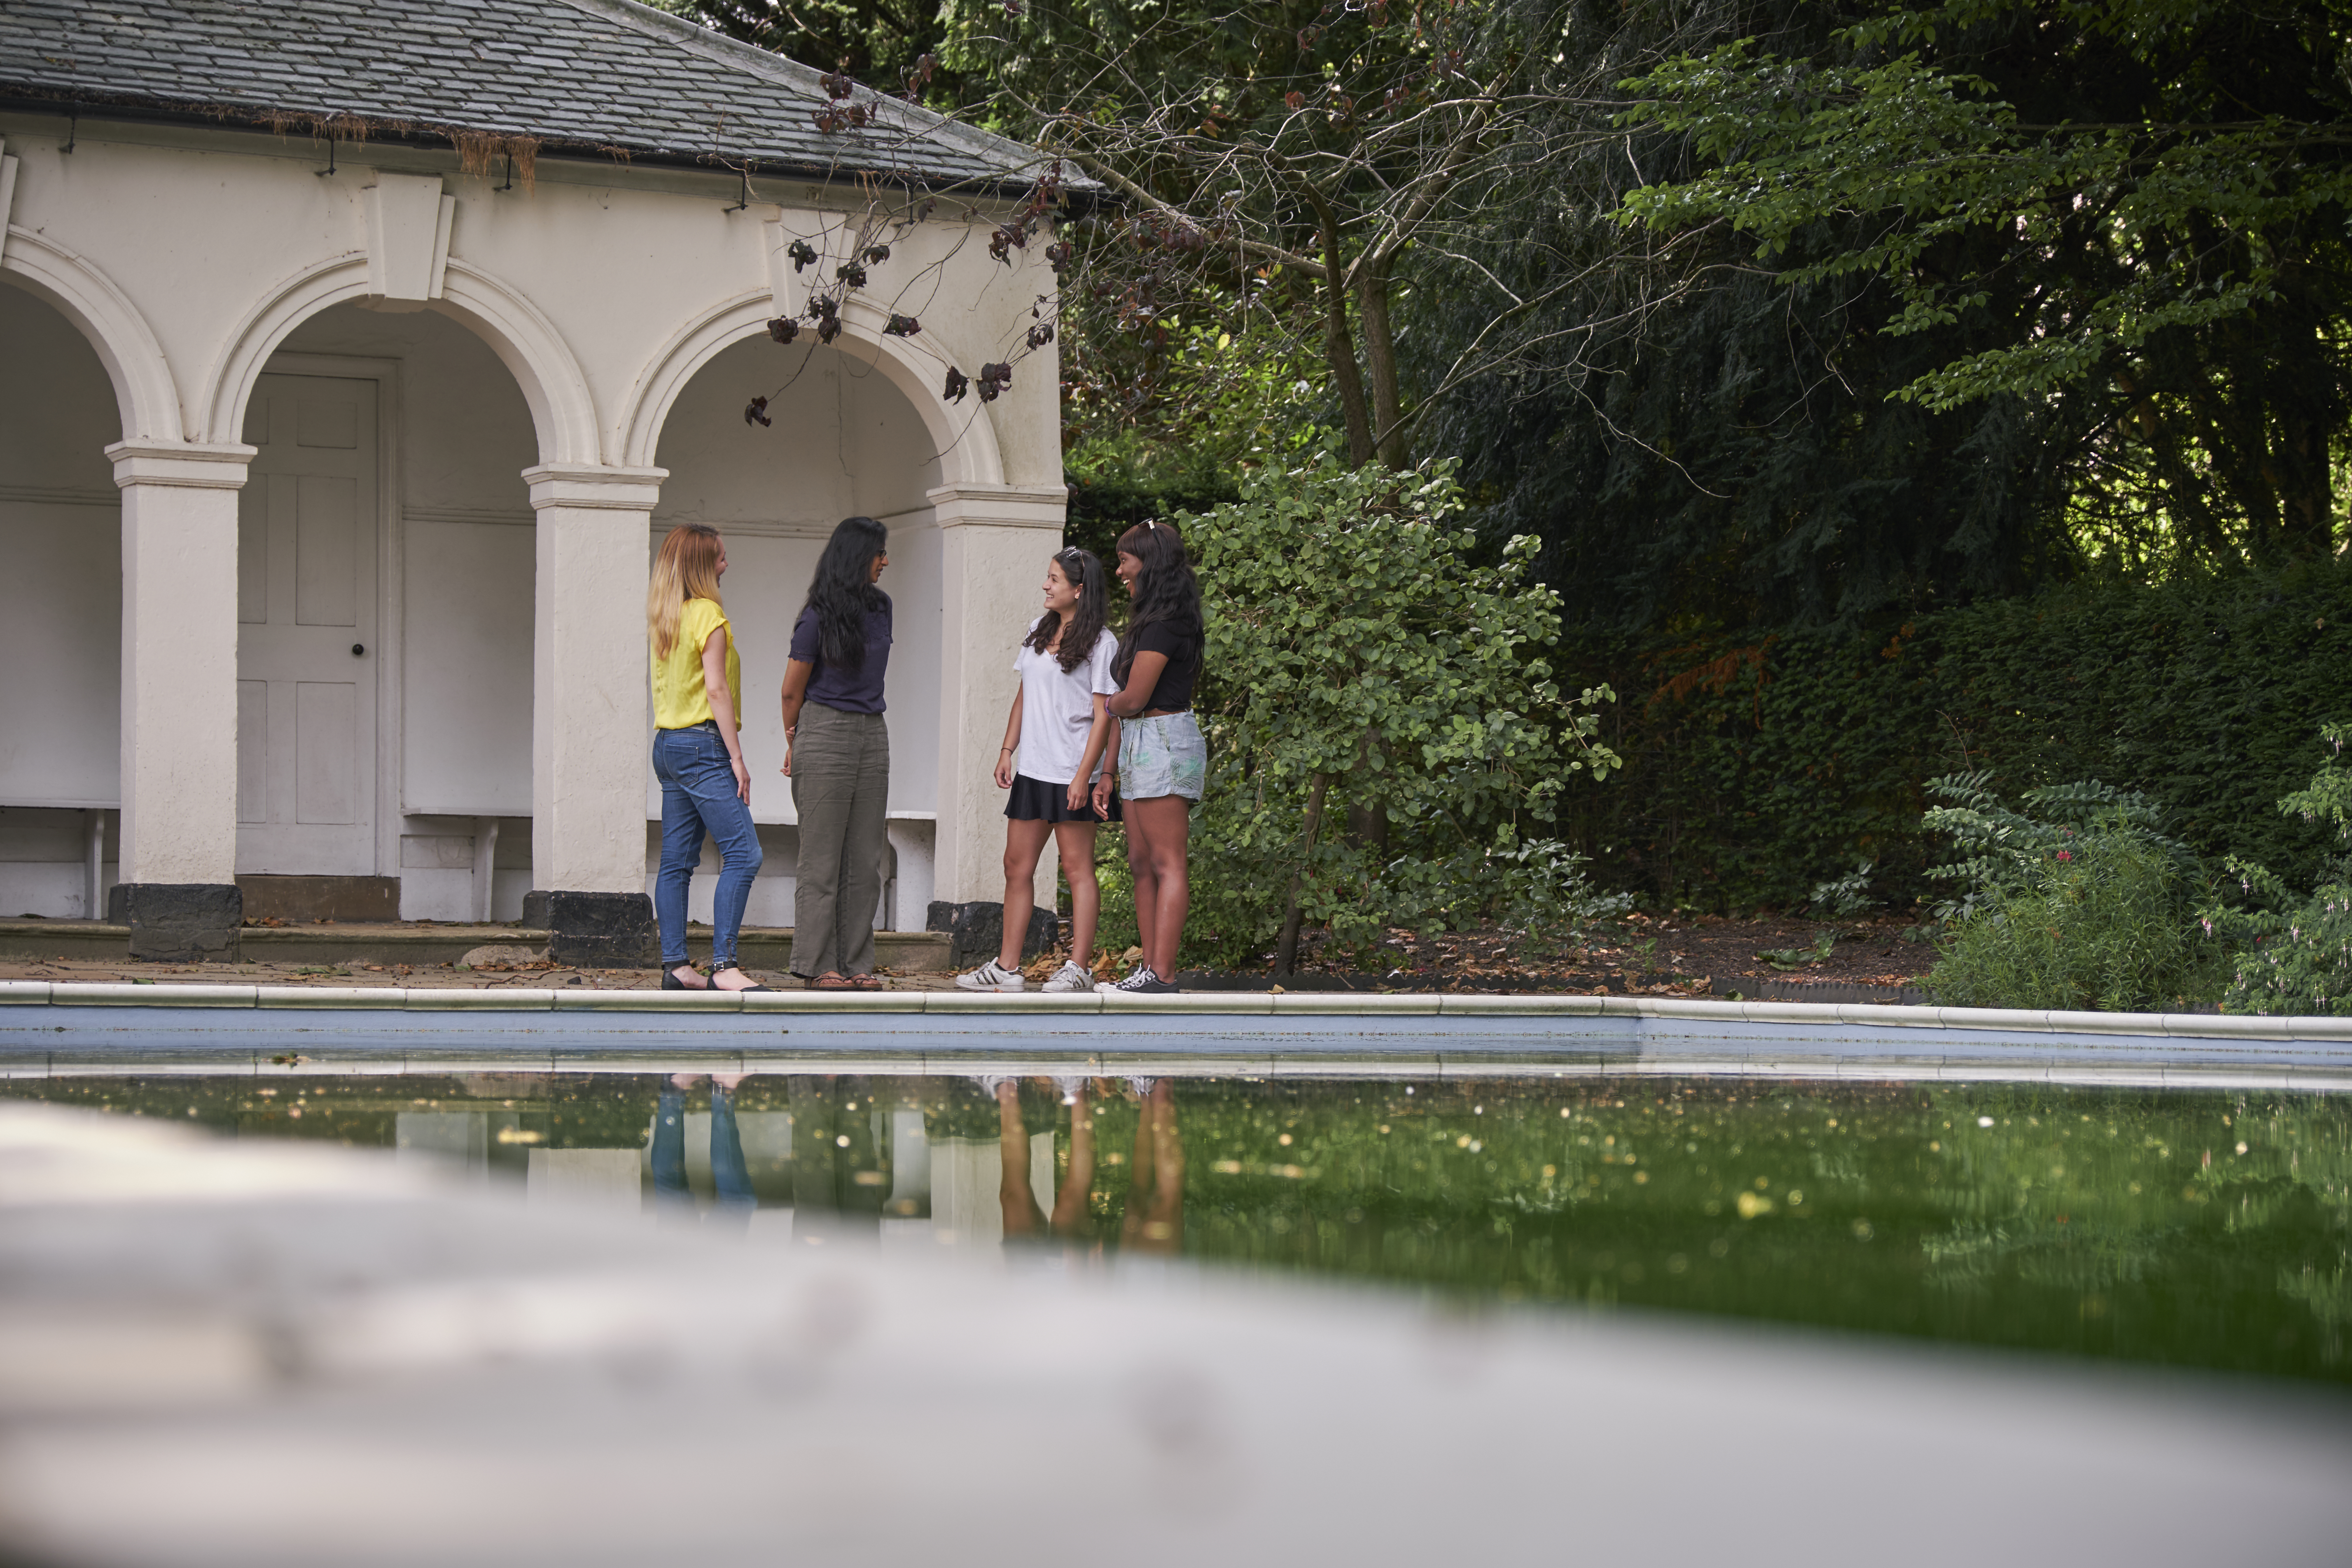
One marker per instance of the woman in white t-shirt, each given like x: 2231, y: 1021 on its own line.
x: 1063, y: 732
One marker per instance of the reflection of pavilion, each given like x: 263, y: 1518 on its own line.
x: 329, y: 469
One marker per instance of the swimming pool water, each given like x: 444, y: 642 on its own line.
x: 2203, y: 1229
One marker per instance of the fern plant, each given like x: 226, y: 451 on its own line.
x: 2008, y: 848
x: 2075, y: 899
x: 2296, y: 947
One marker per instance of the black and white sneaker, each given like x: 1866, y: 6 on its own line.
x: 1139, y: 982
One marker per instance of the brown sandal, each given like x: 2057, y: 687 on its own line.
x: 868, y: 982
x: 832, y: 979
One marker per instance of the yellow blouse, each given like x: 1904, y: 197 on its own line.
x: 679, y: 699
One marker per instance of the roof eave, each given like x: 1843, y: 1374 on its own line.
x: 42, y: 98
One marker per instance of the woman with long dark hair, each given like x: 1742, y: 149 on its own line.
x: 699, y: 756
x: 837, y: 754
x: 1060, y: 726
x: 1162, y: 761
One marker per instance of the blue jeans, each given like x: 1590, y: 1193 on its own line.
x: 699, y: 797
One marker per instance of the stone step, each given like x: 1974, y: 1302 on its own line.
x: 763, y: 947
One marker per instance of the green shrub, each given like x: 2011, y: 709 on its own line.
x: 1386, y: 743
x: 2106, y: 928
x: 1114, y: 930
x: 2296, y: 951
x: 2079, y: 901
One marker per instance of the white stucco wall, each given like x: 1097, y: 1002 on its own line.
x: 61, y: 539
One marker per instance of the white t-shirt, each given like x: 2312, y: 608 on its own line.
x: 1057, y: 709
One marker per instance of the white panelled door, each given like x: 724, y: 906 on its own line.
x: 306, y: 648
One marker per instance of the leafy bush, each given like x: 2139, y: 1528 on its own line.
x: 2297, y: 948
x: 1115, y: 927
x: 1386, y: 742
x: 2078, y: 901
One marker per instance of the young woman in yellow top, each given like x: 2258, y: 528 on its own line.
x: 699, y: 756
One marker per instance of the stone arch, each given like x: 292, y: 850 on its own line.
x: 144, y: 395
x: 964, y: 440
x: 563, y: 410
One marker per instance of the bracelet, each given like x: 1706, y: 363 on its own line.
x: 1004, y: 751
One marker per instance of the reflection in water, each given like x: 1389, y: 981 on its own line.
x: 730, y: 1175
x: 1152, y: 1217
x: 2202, y: 1227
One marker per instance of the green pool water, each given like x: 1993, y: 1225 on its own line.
x: 2193, y: 1228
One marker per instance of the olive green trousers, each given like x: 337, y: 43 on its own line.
x: 841, y: 788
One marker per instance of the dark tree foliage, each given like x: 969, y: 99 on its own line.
x: 890, y: 45
x: 1730, y: 457
x: 2131, y: 212
x: 1737, y: 461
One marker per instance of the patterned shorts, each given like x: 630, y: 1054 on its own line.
x: 1163, y: 755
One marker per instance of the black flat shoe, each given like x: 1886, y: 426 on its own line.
x: 670, y: 981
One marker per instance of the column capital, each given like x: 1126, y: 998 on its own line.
x: 190, y: 465
x: 1001, y: 506
x: 594, y: 486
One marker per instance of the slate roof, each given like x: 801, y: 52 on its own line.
x: 574, y: 75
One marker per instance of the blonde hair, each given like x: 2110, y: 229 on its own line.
x: 687, y: 568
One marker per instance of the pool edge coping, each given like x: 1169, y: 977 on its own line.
x: 400, y: 999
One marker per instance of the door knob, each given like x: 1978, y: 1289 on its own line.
x: 358, y: 649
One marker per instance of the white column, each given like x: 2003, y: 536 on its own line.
x: 179, y: 674
x: 589, y: 693
x: 994, y: 539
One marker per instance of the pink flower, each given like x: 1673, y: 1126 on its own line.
x: 2065, y: 854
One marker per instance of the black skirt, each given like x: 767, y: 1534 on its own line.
x: 1034, y: 800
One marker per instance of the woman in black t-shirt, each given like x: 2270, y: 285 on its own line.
x: 1162, y: 758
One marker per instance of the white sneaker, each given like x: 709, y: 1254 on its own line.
x: 991, y: 976
x: 1069, y: 977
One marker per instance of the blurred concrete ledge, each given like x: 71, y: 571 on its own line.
x: 225, y: 1353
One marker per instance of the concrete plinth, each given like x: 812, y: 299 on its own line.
x: 596, y: 930
x: 184, y: 922
x: 975, y: 931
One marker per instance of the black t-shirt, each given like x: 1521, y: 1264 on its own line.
x: 1182, y: 642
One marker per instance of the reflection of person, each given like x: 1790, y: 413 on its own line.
x: 1162, y: 761
x: 837, y: 754
x: 728, y: 1173
x: 1154, y: 1220
x: 839, y: 1185
x: 1061, y: 726
x: 699, y: 756
x: 1019, y: 1199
